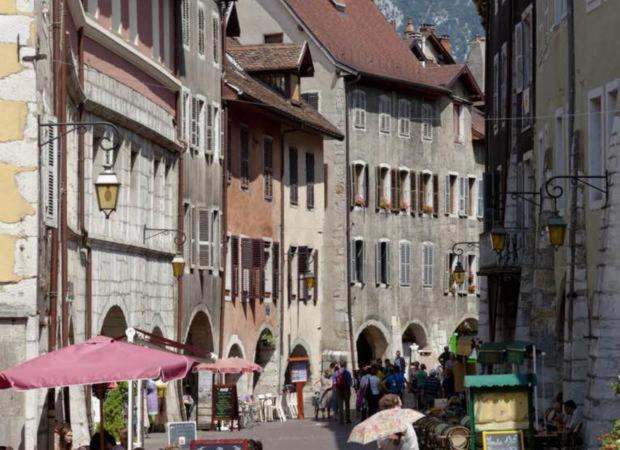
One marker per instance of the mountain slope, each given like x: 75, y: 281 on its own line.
x: 457, y: 18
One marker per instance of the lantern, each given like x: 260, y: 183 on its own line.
x: 178, y: 265
x: 459, y: 274
x: 556, y: 230
x: 107, y: 187
x: 498, y: 239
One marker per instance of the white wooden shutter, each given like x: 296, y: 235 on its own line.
x: 204, y: 243
x: 194, y: 237
x: 51, y: 175
x: 461, y: 183
x: 215, y: 240
x: 480, y: 198
x: 466, y: 194
x: 268, y: 267
x: 229, y: 268
x: 446, y: 274
x: 363, y: 271
x: 518, y: 56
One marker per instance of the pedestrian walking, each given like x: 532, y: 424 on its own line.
x: 152, y: 404
x: 188, y: 402
x: 394, y: 383
x: 447, y: 385
x: 372, y: 383
x: 445, y: 356
x: 344, y: 381
x: 65, y: 435
x: 400, y: 362
x: 432, y: 387
x: 334, y: 374
x: 421, y: 379
x: 405, y: 440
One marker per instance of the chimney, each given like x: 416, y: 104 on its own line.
x: 410, y: 27
x: 445, y: 42
x: 428, y: 28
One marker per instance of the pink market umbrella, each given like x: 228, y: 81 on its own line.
x: 98, y: 360
x: 230, y: 365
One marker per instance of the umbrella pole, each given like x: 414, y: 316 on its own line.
x: 130, y: 332
x: 101, y: 444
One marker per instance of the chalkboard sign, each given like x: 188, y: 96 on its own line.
x: 502, y: 440
x: 181, y: 434
x: 225, y: 405
x: 221, y: 444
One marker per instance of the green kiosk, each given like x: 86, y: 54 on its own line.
x: 501, y: 406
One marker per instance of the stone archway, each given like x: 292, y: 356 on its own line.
x: 413, y: 334
x: 234, y: 352
x: 467, y: 327
x: 264, y: 356
x: 371, y: 344
x: 114, y: 324
x: 200, y: 339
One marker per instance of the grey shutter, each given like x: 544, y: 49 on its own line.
x: 352, y: 265
x: 363, y: 268
x: 315, y: 293
x: 378, y: 192
x: 51, y: 175
x: 204, y: 238
x: 447, y: 200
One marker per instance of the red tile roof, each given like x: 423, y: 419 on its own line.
x: 447, y: 76
x: 243, y: 86
x: 360, y: 38
x: 273, y: 57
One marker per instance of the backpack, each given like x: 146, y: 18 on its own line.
x: 342, y: 384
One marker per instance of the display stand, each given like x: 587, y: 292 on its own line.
x: 298, y: 367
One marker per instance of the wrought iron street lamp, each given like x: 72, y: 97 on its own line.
x: 556, y: 226
x: 178, y: 262
x: 107, y: 187
x: 458, y: 274
x: 498, y: 239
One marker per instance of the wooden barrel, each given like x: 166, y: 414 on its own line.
x: 457, y: 438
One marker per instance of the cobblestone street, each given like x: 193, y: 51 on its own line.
x: 294, y: 434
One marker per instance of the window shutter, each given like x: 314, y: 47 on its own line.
x: 447, y: 200
x: 378, y: 188
x: 394, y: 187
x: 446, y: 274
x: 275, y: 261
x: 209, y: 130
x: 401, y: 276
x: 413, y: 180
x: 362, y: 265
x: 194, y: 241
x: 387, y: 262
x: 435, y: 195
x: 354, y: 184
x: 377, y: 264
x: 518, y: 68
x: 204, y: 238
x: 216, y: 40
x: 466, y: 192
x: 256, y: 283
x: 365, y: 184
x: 246, y: 267
x: 315, y: 270
x: 421, y: 194
x: 352, y: 265
x: 289, y: 275
x: 51, y: 175
x: 234, y: 243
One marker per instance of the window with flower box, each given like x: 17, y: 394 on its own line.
x: 359, y: 184
x: 383, y: 188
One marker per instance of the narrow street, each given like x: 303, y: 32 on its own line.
x: 299, y: 434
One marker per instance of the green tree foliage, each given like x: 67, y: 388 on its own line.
x: 114, y: 410
x: 611, y: 440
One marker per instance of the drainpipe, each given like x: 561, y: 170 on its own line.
x: 283, y: 252
x: 348, y: 86
x: 574, y: 167
x: 225, y: 163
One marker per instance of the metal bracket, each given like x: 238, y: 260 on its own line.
x: 178, y: 240
x: 555, y: 192
x: 522, y: 195
x: 81, y: 127
x: 458, y: 247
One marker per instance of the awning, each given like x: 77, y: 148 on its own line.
x: 503, y: 380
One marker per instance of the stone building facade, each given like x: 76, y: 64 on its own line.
x: 377, y: 314
x: 26, y: 98
x: 564, y: 298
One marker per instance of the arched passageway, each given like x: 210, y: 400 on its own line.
x: 468, y: 327
x: 114, y: 324
x: 371, y: 344
x: 414, y: 335
x: 264, y: 356
x: 200, y: 341
x: 235, y: 352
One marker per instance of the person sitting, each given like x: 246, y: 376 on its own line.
x: 554, y: 416
x: 405, y: 440
x: 573, y: 416
x: 108, y: 441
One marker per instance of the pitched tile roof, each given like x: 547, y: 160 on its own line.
x: 446, y: 76
x: 243, y: 86
x: 273, y: 57
x: 360, y: 38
